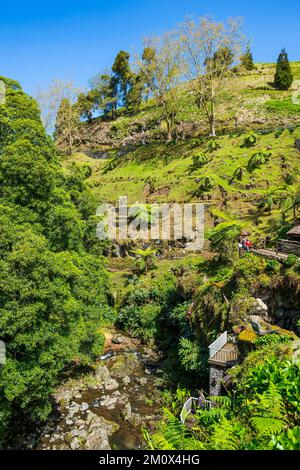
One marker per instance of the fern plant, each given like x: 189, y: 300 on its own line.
x: 213, y: 146
x: 238, y: 174
x: 269, y: 416
x: 257, y: 160
x: 249, y: 140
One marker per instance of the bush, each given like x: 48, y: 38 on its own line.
x: 206, y: 184
x: 250, y: 140
x: 199, y: 160
x: 271, y: 339
x: 257, y: 160
x: 250, y: 266
x: 97, y: 348
x: 213, y: 146
x: 273, y: 266
x: 289, y: 179
x: 291, y: 260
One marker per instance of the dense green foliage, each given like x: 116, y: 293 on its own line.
x: 54, y: 288
x: 283, y: 75
x: 261, y: 413
x: 53, y: 294
x: 247, y: 60
x: 156, y: 310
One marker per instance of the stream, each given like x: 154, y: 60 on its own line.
x: 105, y: 409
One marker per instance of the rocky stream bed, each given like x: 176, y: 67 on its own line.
x: 105, y: 409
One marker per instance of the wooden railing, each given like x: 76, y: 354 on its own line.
x: 192, y: 404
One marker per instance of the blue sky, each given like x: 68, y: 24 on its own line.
x: 73, y: 40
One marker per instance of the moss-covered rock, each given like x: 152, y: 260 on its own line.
x: 125, y: 364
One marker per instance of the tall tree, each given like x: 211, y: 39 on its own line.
x: 283, y: 76
x: 85, y: 104
x: 122, y: 77
x: 104, y: 89
x: 160, y: 67
x: 49, y: 319
x: 135, y: 93
x: 50, y: 99
x: 208, y: 50
x: 247, y: 60
x: 148, y: 57
x: 67, y: 126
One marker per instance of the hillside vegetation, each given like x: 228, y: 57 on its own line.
x: 233, y: 171
x: 248, y: 100
x: 149, y: 134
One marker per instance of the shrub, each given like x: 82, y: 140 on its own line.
x: 238, y: 174
x: 257, y: 160
x: 199, y: 160
x: 272, y: 339
x: 250, y: 140
x: 189, y: 354
x: 213, y: 146
x: 206, y: 184
x: 273, y: 266
x: 291, y: 260
x: 289, y: 179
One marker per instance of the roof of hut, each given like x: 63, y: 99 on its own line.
x: 295, y: 231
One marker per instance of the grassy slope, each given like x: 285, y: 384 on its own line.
x: 256, y: 104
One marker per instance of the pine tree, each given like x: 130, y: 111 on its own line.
x: 247, y: 60
x: 283, y: 75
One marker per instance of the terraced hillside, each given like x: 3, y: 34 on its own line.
x: 254, y: 160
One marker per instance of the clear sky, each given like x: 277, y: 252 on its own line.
x: 73, y: 40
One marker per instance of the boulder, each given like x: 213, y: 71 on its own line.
x: 259, y: 308
x: 97, y: 440
x: 108, y: 402
x: 125, y: 364
x: 75, y: 444
x: 111, y: 384
x: 84, y: 406
x: 126, y: 412
x: 102, y: 374
x: 118, y: 339
x: 135, y: 419
x: 143, y: 381
x: 73, y: 408
x: 99, y: 430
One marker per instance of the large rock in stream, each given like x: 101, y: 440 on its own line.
x: 102, y: 374
x: 99, y: 431
x: 125, y: 364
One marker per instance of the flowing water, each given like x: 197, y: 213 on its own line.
x: 132, y: 403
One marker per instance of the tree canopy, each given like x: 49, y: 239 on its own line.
x: 53, y: 293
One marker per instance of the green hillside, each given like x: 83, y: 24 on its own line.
x: 224, y: 175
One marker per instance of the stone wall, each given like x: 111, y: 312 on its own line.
x: 216, y: 375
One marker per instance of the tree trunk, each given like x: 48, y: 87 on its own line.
x: 169, y: 130
x: 212, y: 128
x: 212, y: 124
